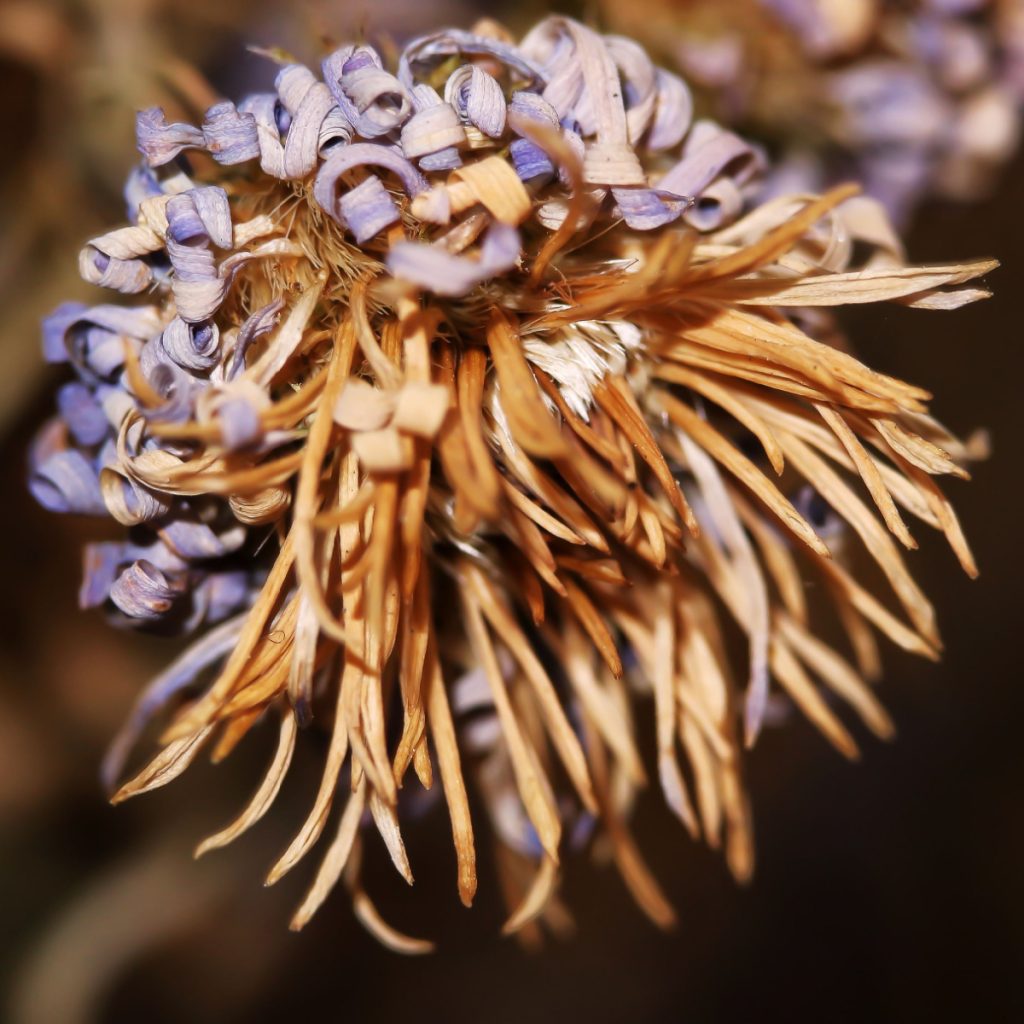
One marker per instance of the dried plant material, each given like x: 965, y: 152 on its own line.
x: 334, y: 860
x: 265, y: 795
x: 471, y: 403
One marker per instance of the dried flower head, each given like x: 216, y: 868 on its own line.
x: 914, y: 100
x: 468, y: 400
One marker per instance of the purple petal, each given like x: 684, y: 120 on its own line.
x: 160, y: 142
x: 143, y: 591
x: 644, y: 210
x: 105, y: 271
x: 142, y: 184
x: 334, y: 129
x: 437, y: 47
x: 709, y: 151
x: 362, y: 154
x: 478, y: 98
x: 308, y: 101
x: 259, y: 323
x: 177, y: 389
x: 368, y: 209
x: 100, y: 567
x: 529, y: 160
x: 434, y: 132
x: 240, y: 424
x: 192, y: 346
x: 230, y: 135
x: 67, y: 482
x: 195, y: 541
x: 372, y: 100
x: 672, y: 113
x: 222, y: 594
x: 55, y: 329
x: 443, y: 273
x: 263, y: 108
x: 83, y: 413
x: 95, y: 338
x: 211, y: 203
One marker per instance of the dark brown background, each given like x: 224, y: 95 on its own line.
x: 888, y: 890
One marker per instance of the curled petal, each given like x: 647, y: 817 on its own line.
x: 373, y: 100
x: 308, y: 101
x: 437, y: 270
x: 101, y: 565
x: 720, y: 203
x: 192, y: 346
x: 673, y: 112
x: 644, y: 209
x: 709, y: 152
x: 142, y: 184
x: 82, y: 413
x: 362, y: 154
x: 99, y: 268
x: 529, y: 160
x: 143, y: 591
x: 439, y: 46
x: 478, y: 98
x: 128, y: 501
x: 263, y: 321
x: 195, y: 541
x: 67, y: 482
x: 230, y: 135
x: 160, y: 142
x: 368, y: 209
x: 55, y: 330
x: 434, y: 133
x: 262, y: 107
x: 640, y: 84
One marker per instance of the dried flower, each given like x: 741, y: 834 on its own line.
x: 914, y: 100
x: 476, y: 387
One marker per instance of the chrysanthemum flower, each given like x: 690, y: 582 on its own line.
x: 915, y: 100
x: 466, y: 406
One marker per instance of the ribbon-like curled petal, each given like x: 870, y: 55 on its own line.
x: 83, y: 414
x: 439, y: 46
x: 362, y: 154
x: 143, y: 591
x: 478, y: 98
x: 434, y: 133
x: 192, y: 346
x: 439, y: 271
x: 160, y: 142
x: 67, y: 482
x: 230, y: 135
x: 373, y: 100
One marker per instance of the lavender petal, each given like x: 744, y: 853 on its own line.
x: 83, y: 413
x: 160, y: 142
x: 230, y: 135
x: 67, y: 482
x: 143, y: 591
x: 359, y: 155
x: 437, y: 270
x: 368, y: 209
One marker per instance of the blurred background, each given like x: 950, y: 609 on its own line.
x: 888, y: 890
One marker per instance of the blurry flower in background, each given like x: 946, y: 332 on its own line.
x: 915, y: 100
x: 465, y: 396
